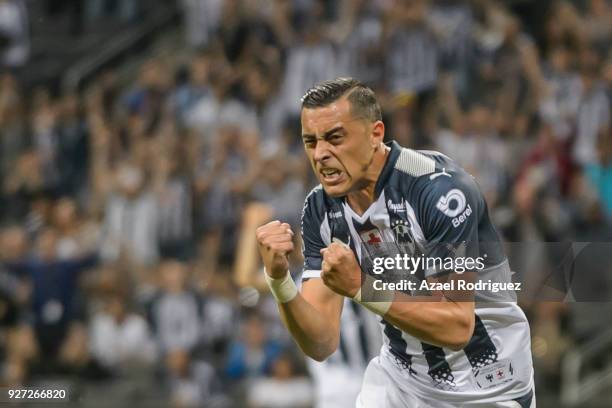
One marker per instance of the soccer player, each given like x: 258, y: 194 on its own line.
x: 453, y: 349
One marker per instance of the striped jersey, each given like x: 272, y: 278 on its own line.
x: 426, y: 204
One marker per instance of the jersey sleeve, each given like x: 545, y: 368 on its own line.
x: 312, y: 243
x: 450, y: 212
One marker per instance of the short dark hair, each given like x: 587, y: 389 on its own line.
x: 362, y: 99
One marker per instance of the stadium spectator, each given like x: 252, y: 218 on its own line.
x: 14, y: 291
x: 412, y: 69
x: 14, y: 243
x: 453, y: 24
x: 56, y: 303
x: 219, y: 108
x: 44, y: 137
x: 252, y: 355
x: 593, y: 113
x: 358, y: 35
x: 310, y: 58
x: 14, y: 34
x: 188, y: 93
x: 219, y: 314
x: 559, y: 106
x: 131, y: 220
x: 284, y: 388
x: 144, y: 103
x: 223, y: 180
x: 22, y: 352
x: 175, y: 311
x: 468, y: 149
x: 279, y: 189
x: 201, y: 21
x: 174, y: 199
x: 267, y: 104
x: 13, y: 136
x: 564, y: 27
x: 73, y: 145
x: 599, y: 174
x: 598, y: 24
x: 119, y: 338
x: 191, y: 383
x: 76, y: 236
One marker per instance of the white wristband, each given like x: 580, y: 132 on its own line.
x: 283, y: 289
x: 380, y: 307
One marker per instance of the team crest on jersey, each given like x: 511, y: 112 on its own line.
x: 401, y: 231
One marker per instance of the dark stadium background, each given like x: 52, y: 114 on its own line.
x: 142, y: 141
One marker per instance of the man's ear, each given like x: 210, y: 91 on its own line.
x: 378, y: 134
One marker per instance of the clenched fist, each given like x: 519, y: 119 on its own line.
x: 340, y: 270
x: 275, y: 241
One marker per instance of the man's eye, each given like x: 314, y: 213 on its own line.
x: 334, y: 138
x: 310, y: 143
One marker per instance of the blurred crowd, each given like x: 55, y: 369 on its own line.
x: 127, y: 209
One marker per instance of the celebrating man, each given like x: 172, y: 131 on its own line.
x: 453, y: 348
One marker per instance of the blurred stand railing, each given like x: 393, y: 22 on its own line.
x: 120, y: 47
x: 580, y: 386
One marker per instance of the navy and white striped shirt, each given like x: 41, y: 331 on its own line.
x: 424, y: 198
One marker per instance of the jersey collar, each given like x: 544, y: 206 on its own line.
x: 388, y: 167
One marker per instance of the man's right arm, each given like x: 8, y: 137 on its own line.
x: 312, y: 317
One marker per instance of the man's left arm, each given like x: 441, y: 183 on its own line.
x: 449, y: 216
x: 445, y: 319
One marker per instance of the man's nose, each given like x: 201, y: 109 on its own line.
x: 321, y: 152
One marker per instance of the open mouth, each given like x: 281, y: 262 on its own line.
x: 331, y: 176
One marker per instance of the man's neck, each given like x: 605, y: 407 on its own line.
x: 361, y: 199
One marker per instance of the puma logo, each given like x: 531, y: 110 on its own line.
x: 444, y: 173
